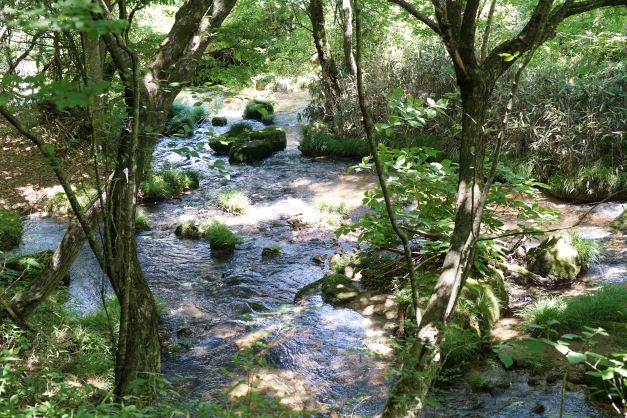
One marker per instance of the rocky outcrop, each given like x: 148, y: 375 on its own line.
x: 556, y: 259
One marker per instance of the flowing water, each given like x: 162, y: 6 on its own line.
x: 319, y: 357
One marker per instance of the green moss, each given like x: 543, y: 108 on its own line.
x: 10, y: 230
x: 604, y: 308
x: 263, y: 144
x: 167, y: 184
x: 256, y: 109
x: 338, y: 289
x: 268, y: 119
x: 232, y: 201
x: 620, y: 223
x: 188, y: 229
x: 219, y: 121
x: 271, y: 251
x: 183, y: 118
x: 319, y: 142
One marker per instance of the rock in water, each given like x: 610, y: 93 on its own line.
x: 338, y: 289
x: 263, y: 144
x: 255, y: 109
x: 620, y: 223
x: 555, y: 258
x: 219, y: 121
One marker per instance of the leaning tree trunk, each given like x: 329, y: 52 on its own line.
x: 421, y: 362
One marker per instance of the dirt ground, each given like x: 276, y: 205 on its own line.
x: 26, y: 179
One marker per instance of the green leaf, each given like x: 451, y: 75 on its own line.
x: 575, y: 357
x: 505, y: 358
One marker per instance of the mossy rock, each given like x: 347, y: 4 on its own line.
x: 556, y: 258
x: 620, y: 223
x: 239, y: 132
x: 264, y: 143
x: 219, y: 121
x: 10, y: 230
x: 338, y: 289
x: 188, y: 229
x: 256, y: 109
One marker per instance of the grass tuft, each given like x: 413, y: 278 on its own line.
x: 319, y: 142
x: 142, y: 221
x: 167, y: 184
x: 603, y: 308
x: 589, y: 249
x: 219, y: 236
x: 233, y: 201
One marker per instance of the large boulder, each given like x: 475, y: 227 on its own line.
x: 261, y: 145
x: 239, y: 132
x: 256, y: 109
x: 219, y: 121
x: 556, y: 258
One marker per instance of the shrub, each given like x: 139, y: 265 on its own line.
x: 232, y: 201
x: 459, y: 344
x: 10, y: 230
x: 603, y: 308
x: 589, y: 183
x: 476, y: 380
x: 167, y: 184
x: 319, y: 142
x: 183, y: 118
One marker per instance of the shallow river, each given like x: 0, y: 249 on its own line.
x: 318, y: 357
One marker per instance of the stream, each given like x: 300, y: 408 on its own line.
x: 319, y: 357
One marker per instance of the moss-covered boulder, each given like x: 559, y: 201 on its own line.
x: 620, y: 223
x: 219, y: 121
x: 239, y: 132
x: 10, y: 230
x: 256, y: 109
x: 263, y: 144
x: 338, y: 289
x: 188, y: 229
x: 556, y: 258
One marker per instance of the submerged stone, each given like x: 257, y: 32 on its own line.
x: 555, y: 258
x: 338, y: 289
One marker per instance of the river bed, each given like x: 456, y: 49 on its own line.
x: 319, y: 357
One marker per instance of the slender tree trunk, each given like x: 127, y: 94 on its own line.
x: 421, y: 361
x: 327, y: 64
x: 347, y: 20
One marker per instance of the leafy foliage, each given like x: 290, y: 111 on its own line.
x: 10, y: 229
x: 183, y: 118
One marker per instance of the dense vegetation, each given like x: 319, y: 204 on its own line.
x: 466, y: 113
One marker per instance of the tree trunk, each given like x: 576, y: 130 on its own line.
x: 349, y: 57
x: 327, y: 64
x: 421, y: 362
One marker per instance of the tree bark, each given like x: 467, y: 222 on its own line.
x: 347, y: 20
x: 327, y: 63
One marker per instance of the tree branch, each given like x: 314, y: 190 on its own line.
x: 409, y: 8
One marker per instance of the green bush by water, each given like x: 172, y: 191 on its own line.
x: 10, y: 230
x: 318, y: 142
x: 184, y: 118
x: 233, y: 201
x: 59, y: 204
x: 219, y: 235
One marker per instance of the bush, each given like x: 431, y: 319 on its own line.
x: 318, y: 142
x: 184, y: 118
x: 10, y: 230
x: 604, y: 308
x: 589, y: 183
x: 167, y: 184
x: 256, y: 109
x: 232, y: 201
x: 459, y: 344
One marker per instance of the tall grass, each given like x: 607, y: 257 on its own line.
x: 233, y: 201
x: 605, y: 308
x: 168, y: 183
